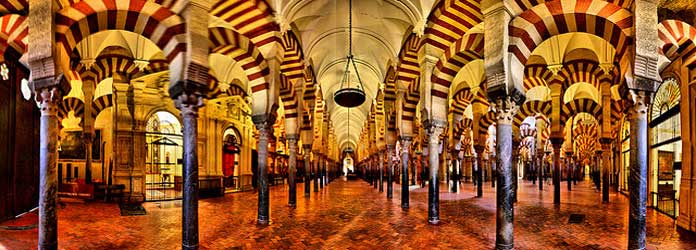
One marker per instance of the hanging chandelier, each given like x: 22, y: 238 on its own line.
x: 346, y: 95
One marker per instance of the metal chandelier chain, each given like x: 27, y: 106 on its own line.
x: 350, y: 60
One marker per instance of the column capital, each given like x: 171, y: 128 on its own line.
x: 641, y: 103
x: 189, y: 103
x: 48, y: 99
x: 264, y: 120
x: 505, y: 109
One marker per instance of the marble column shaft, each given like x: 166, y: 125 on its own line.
x: 308, y: 170
x: 315, y: 171
x: 606, y: 165
x: 405, y: 147
x: 189, y: 104
x: 637, y: 183
x: 380, y: 158
x: 556, y: 143
x: 436, y: 128
x: 479, y: 167
x: 292, y: 169
x: 48, y: 99
x: 390, y: 172
x: 540, y: 170
x: 506, y: 110
x: 265, y: 129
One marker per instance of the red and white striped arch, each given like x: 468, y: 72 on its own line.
x: 519, y: 6
x: 450, y: 20
x: 13, y: 6
x: 106, y: 66
x: 293, y: 57
x: 100, y: 104
x: 409, y: 69
x: 532, y: 108
x: 581, y: 105
x: 606, y: 20
x: 461, y: 100
x: 581, y: 71
x: 486, y: 121
x: 214, y: 90
x: 535, y: 76
x: 463, y: 51
x: 70, y: 104
x: 174, y: 5
x: 162, y: 26
x: 230, y: 43
x: 677, y: 39
x: 13, y: 34
x: 251, y: 18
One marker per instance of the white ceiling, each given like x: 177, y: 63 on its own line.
x: 379, y: 30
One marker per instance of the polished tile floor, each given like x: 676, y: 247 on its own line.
x: 353, y: 215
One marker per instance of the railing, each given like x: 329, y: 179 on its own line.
x: 162, y: 191
x: 667, y: 203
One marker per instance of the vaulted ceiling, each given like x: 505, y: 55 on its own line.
x: 380, y: 27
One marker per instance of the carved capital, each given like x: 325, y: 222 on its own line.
x: 641, y: 103
x: 48, y: 99
x: 189, y: 103
x: 505, y: 110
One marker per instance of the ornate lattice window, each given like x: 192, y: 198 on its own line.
x: 666, y: 98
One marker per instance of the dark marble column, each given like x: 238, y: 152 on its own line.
x: 390, y: 171
x: 315, y: 170
x: 48, y: 99
x: 515, y: 154
x: 320, y: 171
x: 380, y: 158
x: 606, y: 165
x: 375, y: 171
x: 292, y: 169
x: 308, y: 169
x: 88, y: 138
x: 435, y: 129
x: 480, y: 168
x: 188, y: 104
x: 264, y: 125
x: 506, y: 109
x: 540, y: 169
x: 569, y: 165
x: 637, y: 183
x: 556, y: 143
x: 405, y: 147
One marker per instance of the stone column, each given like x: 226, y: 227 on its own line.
x: 556, y: 143
x: 637, y: 183
x: 264, y: 125
x: 513, y: 164
x: 479, y: 167
x: 380, y: 158
x: 48, y: 99
x: 606, y: 165
x: 292, y: 169
x: 436, y: 128
x: 569, y: 165
x: 375, y: 171
x: 405, y: 146
x: 506, y: 109
x: 320, y: 170
x: 315, y: 170
x: 308, y: 169
x: 540, y: 169
x: 189, y: 104
x: 88, y: 139
x: 390, y: 171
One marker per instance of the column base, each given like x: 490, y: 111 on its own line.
x: 187, y: 247
x: 504, y: 247
x: 404, y: 206
x: 433, y: 221
x: 263, y: 221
